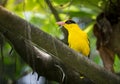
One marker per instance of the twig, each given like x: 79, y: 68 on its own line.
x: 53, y: 10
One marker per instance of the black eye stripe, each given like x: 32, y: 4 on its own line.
x: 69, y: 22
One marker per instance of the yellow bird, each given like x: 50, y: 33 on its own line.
x: 77, y: 38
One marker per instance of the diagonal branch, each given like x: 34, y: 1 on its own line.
x: 13, y: 28
x: 56, y: 16
x: 53, y: 10
x: 41, y: 62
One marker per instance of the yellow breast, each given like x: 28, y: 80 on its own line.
x: 78, y: 40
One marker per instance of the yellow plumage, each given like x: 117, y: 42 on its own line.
x: 77, y: 38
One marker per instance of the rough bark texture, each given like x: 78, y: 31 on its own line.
x: 107, y: 30
x: 17, y: 31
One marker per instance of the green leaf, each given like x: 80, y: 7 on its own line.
x: 98, y: 60
x: 117, y: 64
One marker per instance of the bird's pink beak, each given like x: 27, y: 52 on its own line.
x: 60, y: 23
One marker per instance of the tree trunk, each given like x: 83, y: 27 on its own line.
x: 107, y: 30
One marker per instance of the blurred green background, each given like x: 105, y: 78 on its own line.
x: 37, y: 12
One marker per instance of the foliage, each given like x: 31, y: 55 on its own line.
x: 38, y: 13
x: 116, y: 64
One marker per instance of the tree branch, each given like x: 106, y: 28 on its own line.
x: 42, y: 63
x: 13, y: 28
x: 56, y: 15
x: 53, y: 10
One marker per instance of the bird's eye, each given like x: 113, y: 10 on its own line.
x: 70, y: 22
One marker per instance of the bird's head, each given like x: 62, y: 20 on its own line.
x: 67, y: 23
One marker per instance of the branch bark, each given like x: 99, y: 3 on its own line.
x: 13, y: 28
